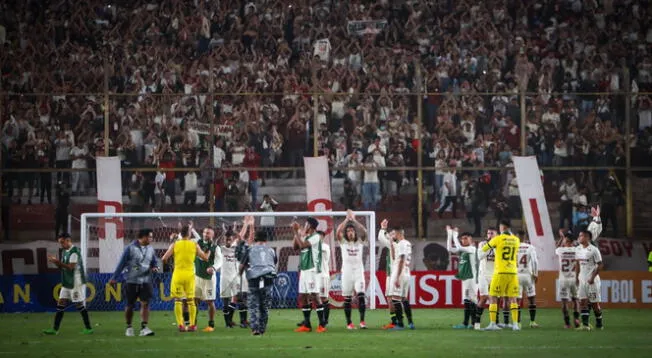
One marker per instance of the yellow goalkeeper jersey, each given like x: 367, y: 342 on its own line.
x: 185, y: 252
x: 506, y: 247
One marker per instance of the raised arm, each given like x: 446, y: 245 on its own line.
x: 168, y: 253
x: 561, y: 238
x: 251, y: 223
x: 296, y: 240
x: 202, y: 255
x: 362, y: 229
x: 243, y: 230
x: 382, y: 234
x: 449, y: 240
x: 339, y: 232
x: 458, y: 245
x: 595, y: 227
x: 195, y: 235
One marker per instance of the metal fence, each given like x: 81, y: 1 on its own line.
x: 607, y: 131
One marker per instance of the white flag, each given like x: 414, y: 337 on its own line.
x: 535, y: 210
x: 109, y: 200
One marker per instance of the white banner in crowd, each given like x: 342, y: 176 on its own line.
x: 318, y: 194
x: 535, y: 210
x: 365, y: 27
x: 109, y: 200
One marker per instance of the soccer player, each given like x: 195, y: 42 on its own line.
x: 588, y: 266
x: 399, y: 282
x: 138, y: 262
x: 325, y: 285
x: 567, y: 285
x: 309, y: 242
x: 486, y: 260
x: 196, y: 238
x: 230, y: 280
x: 73, y: 284
x: 386, y: 240
x: 183, y: 276
x: 504, y: 282
x: 527, y: 278
x: 466, y: 272
x: 352, y: 246
x: 205, y: 280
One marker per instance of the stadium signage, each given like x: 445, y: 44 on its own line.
x: 430, y: 289
x: 620, y: 289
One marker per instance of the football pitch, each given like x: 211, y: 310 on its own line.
x: 627, y: 334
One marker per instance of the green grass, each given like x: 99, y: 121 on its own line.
x: 627, y: 334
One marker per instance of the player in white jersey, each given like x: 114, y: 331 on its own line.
x: 486, y: 260
x: 325, y: 285
x: 567, y: 281
x: 387, y: 239
x: 467, y: 272
x: 399, y: 283
x: 589, y: 264
x: 351, y: 236
x: 528, y: 272
x: 230, y: 280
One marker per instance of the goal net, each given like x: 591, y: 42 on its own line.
x: 104, y: 236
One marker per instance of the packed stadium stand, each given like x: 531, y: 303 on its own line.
x: 377, y: 78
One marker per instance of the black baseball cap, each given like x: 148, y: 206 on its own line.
x: 64, y: 235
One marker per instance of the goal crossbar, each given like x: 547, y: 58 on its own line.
x: 371, y: 228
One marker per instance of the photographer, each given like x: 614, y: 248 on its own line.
x: 259, y: 262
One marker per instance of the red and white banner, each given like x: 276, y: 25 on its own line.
x: 428, y: 289
x: 318, y: 195
x: 109, y: 200
x: 535, y: 210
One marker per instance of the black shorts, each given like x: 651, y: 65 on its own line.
x: 135, y: 291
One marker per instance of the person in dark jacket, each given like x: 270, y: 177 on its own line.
x: 259, y: 262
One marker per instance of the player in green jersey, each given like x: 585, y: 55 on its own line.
x: 73, y: 284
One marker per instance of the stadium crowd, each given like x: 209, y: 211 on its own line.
x: 360, y: 66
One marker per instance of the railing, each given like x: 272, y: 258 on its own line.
x: 102, y: 123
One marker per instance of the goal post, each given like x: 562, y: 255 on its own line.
x: 104, y: 235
